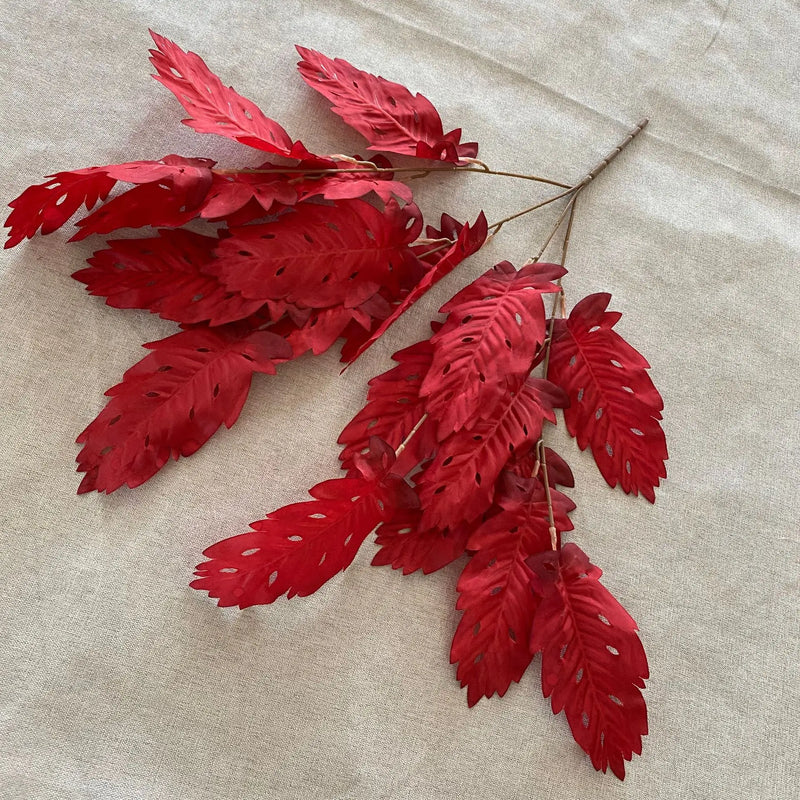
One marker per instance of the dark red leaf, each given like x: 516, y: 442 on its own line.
x: 349, y: 185
x: 215, y: 108
x: 593, y: 663
x: 47, y: 206
x: 189, y: 177
x: 319, y: 255
x: 323, y: 327
x: 230, y: 193
x: 169, y: 194
x: 385, y: 113
x: 164, y: 275
x: 469, y: 241
x: 488, y: 342
x: 614, y: 406
x: 558, y: 471
x: 459, y: 484
x: 491, y: 641
x: 296, y: 549
x: 173, y: 401
x: 407, y: 546
x: 392, y: 409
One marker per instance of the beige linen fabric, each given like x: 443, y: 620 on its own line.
x: 121, y: 683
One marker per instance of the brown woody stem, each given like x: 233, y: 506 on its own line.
x: 422, y: 171
x: 604, y: 162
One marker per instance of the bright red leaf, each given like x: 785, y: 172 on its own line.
x: 385, y: 113
x: 468, y: 241
x: 493, y: 330
x: 164, y: 275
x: 319, y: 255
x: 614, y: 406
x: 230, y: 193
x: 323, y: 327
x: 173, y: 401
x: 491, y: 641
x: 459, y: 484
x: 168, y: 191
x: 47, y: 206
x: 215, y: 108
x: 593, y: 663
x: 296, y: 549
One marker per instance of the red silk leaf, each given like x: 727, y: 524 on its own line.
x: 173, y: 401
x: 215, y: 108
x: 150, y: 204
x: 231, y: 193
x: 296, y: 549
x: 459, y: 485
x: 47, y: 206
x: 407, y: 546
x: 489, y: 341
x: 614, y: 406
x: 593, y: 664
x: 319, y: 256
x: 491, y: 641
x: 468, y: 241
x: 164, y: 275
x: 385, y: 113
x: 392, y: 409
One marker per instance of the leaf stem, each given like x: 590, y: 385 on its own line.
x: 499, y: 224
x: 552, y: 530
x: 404, y: 443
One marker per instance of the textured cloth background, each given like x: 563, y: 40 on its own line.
x: 119, y: 682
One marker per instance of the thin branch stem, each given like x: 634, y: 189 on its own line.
x: 378, y: 170
x: 499, y: 224
x: 573, y: 191
x: 555, y: 536
x: 557, y: 297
